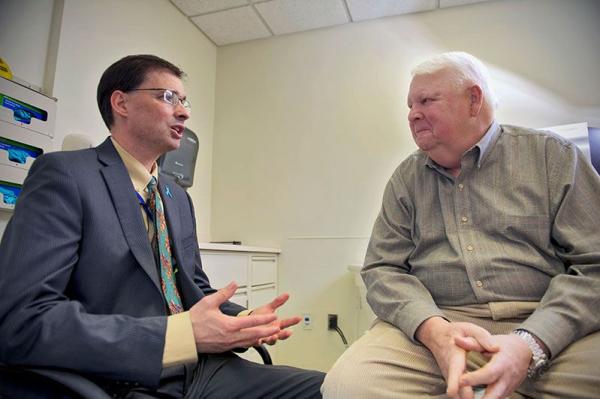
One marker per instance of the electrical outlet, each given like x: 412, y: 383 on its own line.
x: 332, y: 321
x: 307, y: 321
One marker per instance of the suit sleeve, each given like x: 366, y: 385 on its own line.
x: 39, y: 324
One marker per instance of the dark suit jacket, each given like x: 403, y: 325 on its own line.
x: 79, y: 285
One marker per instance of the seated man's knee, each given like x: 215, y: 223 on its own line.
x: 347, y: 378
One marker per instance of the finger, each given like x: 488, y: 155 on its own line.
x: 278, y: 301
x: 486, y: 340
x: 456, y: 367
x: 243, y: 322
x: 465, y: 392
x: 497, y: 390
x: 251, y: 336
x: 222, y: 295
x: 483, y: 336
x: 468, y: 344
x: 483, y: 376
x: 271, y: 340
x: 284, y: 334
x: 292, y: 321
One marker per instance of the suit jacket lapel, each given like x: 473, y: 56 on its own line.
x: 128, y: 209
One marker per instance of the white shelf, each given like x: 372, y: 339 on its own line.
x: 236, y: 248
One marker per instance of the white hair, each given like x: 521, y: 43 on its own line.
x: 466, y: 69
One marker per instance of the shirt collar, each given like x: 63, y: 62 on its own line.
x: 139, y: 175
x: 484, y: 146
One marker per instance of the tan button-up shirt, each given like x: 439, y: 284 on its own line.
x: 521, y: 222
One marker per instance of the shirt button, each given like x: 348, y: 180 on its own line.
x: 461, y: 186
x: 470, y: 248
x: 479, y: 283
x: 464, y: 219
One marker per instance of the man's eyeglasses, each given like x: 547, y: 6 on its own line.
x: 170, y: 97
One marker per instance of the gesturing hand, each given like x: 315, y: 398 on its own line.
x: 283, y: 324
x: 216, y: 332
x: 506, y: 369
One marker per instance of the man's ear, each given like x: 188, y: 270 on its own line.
x: 475, y: 99
x: 118, y: 102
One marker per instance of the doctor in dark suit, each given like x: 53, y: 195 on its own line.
x: 100, y: 272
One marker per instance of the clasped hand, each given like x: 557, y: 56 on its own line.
x: 216, y: 332
x: 508, y: 358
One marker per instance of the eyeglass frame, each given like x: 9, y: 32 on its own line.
x: 176, y: 99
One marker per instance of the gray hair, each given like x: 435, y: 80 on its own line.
x: 466, y: 69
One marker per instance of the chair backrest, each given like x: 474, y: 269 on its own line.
x: 77, y: 141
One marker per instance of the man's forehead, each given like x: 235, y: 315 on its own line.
x: 425, y: 79
x: 164, y: 77
x: 432, y: 82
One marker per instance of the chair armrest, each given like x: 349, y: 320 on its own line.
x: 264, y: 354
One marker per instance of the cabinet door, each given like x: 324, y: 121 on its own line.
x: 263, y: 270
x: 261, y: 295
x: 223, y: 268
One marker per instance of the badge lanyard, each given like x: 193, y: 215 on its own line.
x: 144, y: 204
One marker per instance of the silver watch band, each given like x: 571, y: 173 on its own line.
x: 539, y: 359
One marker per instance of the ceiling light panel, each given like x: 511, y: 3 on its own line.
x: 196, y: 7
x: 232, y: 26
x: 287, y: 16
x: 370, y: 9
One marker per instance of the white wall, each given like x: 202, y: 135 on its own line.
x: 93, y: 35
x: 24, y: 32
x: 309, y: 127
x: 96, y: 33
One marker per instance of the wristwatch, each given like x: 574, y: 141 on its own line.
x: 539, y: 359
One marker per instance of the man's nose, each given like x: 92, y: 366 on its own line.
x: 182, y: 112
x: 414, y: 114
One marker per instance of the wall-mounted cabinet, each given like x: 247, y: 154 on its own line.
x: 26, y: 131
x: 254, y: 269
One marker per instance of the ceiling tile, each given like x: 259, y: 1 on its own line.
x: 196, y: 7
x: 452, y: 3
x: 232, y: 26
x: 287, y: 16
x: 370, y: 9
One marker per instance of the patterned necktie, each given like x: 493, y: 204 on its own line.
x: 161, y: 240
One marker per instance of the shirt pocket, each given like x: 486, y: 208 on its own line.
x: 524, y: 229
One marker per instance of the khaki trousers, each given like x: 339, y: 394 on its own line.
x: 384, y: 363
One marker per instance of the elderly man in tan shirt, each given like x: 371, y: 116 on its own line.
x: 483, y: 267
